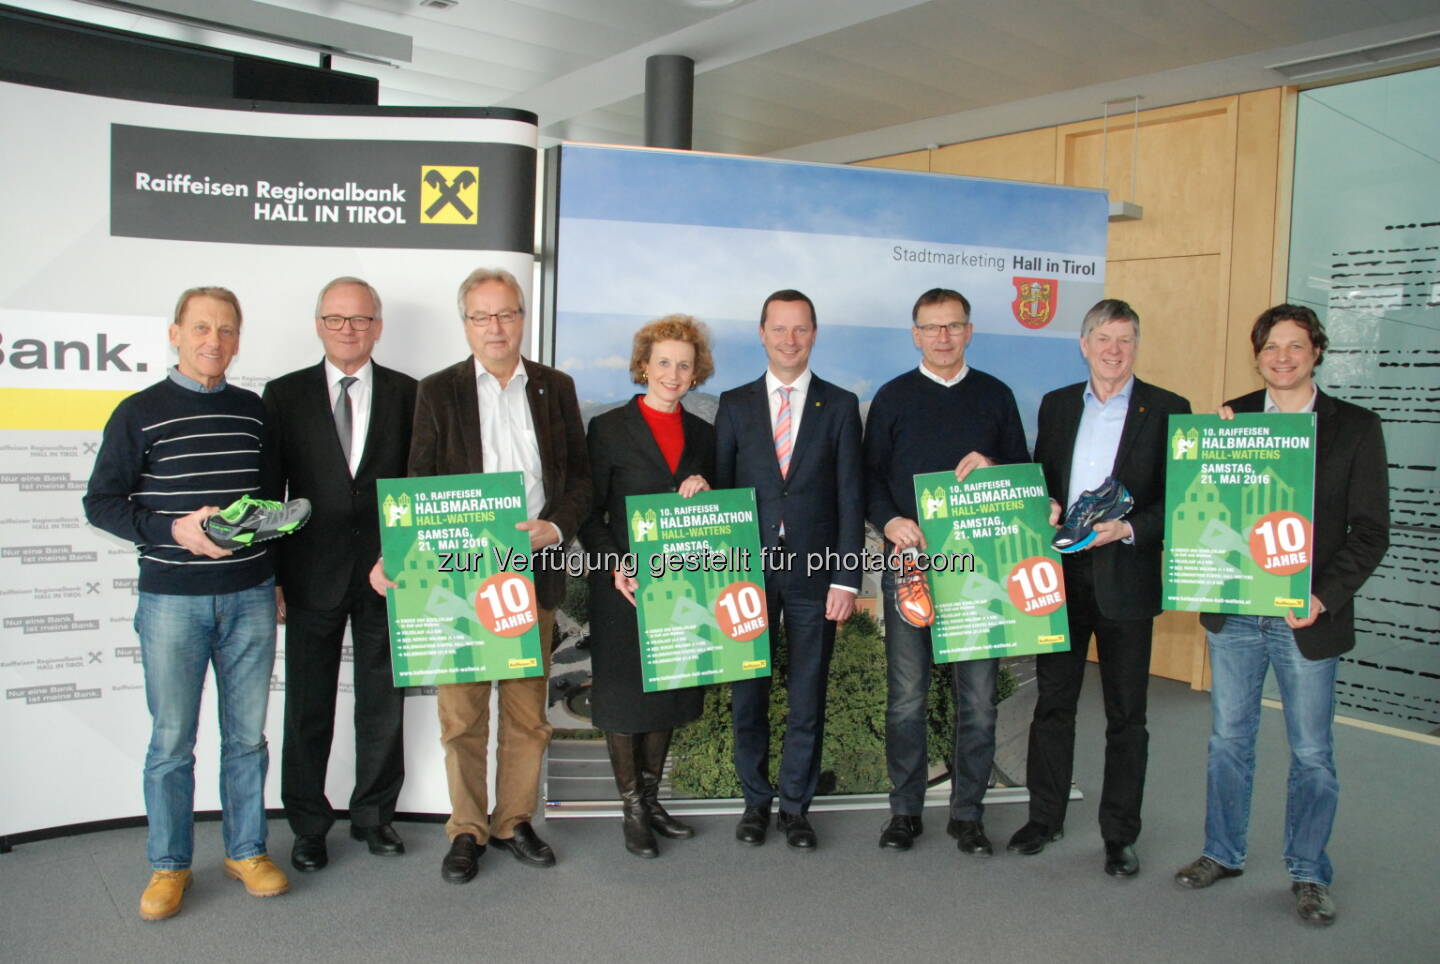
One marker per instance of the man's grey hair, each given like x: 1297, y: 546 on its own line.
x: 480, y: 276
x: 349, y: 280
x: 1108, y: 310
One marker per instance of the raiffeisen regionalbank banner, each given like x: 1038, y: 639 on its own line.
x: 197, y: 186
x: 112, y: 208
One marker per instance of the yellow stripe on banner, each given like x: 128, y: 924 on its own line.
x: 57, y: 408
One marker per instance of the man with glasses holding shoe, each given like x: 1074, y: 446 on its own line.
x: 335, y: 428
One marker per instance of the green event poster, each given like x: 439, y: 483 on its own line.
x: 1238, y: 500
x: 996, y: 583
x: 465, y: 607
x: 701, y: 596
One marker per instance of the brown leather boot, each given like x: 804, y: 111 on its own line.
x: 639, y: 839
x: 651, y: 750
x: 164, y: 894
x: 259, y: 875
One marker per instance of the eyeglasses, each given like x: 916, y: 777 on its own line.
x: 933, y: 331
x: 507, y: 317
x: 358, y: 322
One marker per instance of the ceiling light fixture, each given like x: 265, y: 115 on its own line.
x: 266, y: 21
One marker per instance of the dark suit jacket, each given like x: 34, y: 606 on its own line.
x: 446, y: 441
x: 1351, y: 521
x: 1127, y: 577
x: 822, y: 499
x: 340, y: 543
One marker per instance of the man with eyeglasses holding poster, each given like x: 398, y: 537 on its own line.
x: 498, y: 412
x: 942, y: 416
x: 336, y: 428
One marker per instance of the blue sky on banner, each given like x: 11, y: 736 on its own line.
x: 617, y: 184
x: 645, y: 234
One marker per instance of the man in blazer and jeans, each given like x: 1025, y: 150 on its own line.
x: 1112, y: 424
x: 335, y: 428
x: 1351, y: 525
x: 497, y: 412
x: 795, y: 438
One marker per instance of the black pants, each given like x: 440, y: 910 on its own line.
x: 312, y: 671
x: 1123, y: 647
x: 810, y: 639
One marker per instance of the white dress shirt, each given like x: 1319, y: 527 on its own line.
x: 947, y: 382
x: 1271, y: 408
x: 801, y: 388
x: 361, y: 391
x: 507, y: 434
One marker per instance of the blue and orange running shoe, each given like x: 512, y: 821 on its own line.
x: 1106, y: 503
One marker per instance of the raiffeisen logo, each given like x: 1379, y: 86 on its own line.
x: 60, y: 370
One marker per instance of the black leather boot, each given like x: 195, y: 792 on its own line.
x: 639, y: 838
x: 651, y: 750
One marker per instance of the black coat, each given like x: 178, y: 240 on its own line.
x: 1127, y: 577
x: 625, y: 460
x: 341, y: 542
x: 1351, y: 518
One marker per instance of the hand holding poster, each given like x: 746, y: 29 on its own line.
x: 464, y: 610
x: 997, y: 584
x: 701, y: 596
x: 1238, y: 500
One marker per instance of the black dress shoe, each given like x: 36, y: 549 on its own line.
x: 308, y: 854
x: 754, y: 824
x: 900, y: 831
x: 1120, y: 859
x: 1313, y: 902
x: 526, y: 846
x: 1032, y: 838
x: 1204, y: 872
x: 463, y: 861
x: 383, y: 841
x: 970, y: 835
x: 798, y: 832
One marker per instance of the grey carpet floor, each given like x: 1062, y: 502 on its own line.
x: 712, y: 899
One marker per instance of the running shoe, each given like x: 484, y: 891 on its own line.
x: 912, y: 592
x: 1106, y: 503
x: 247, y: 521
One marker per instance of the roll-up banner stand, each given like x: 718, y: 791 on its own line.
x: 633, y: 234
x: 112, y: 208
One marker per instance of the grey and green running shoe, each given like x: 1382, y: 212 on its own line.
x: 247, y: 521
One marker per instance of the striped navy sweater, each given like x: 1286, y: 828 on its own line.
x: 167, y: 451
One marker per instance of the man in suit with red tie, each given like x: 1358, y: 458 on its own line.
x: 335, y: 428
x: 795, y: 438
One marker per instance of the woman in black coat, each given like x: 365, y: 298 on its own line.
x: 649, y: 445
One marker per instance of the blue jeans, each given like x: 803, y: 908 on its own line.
x: 1239, y: 656
x: 908, y: 658
x: 180, y: 636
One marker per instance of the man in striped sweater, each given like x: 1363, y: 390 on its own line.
x: 169, y: 456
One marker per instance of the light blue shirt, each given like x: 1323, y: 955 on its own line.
x: 1098, y: 439
x: 185, y: 381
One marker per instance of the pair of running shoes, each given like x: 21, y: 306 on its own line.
x: 1107, y: 502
